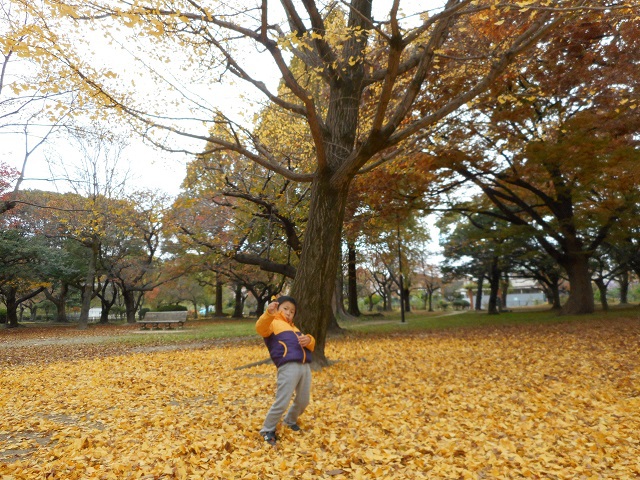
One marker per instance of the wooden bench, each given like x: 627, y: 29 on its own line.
x: 153, y: 320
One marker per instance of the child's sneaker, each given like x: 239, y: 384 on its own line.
x: 270, y: 437
x: 294, y: 427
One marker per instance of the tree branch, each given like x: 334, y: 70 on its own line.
x: 264, y: 264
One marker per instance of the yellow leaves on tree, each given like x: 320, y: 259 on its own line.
x: 528, y: 402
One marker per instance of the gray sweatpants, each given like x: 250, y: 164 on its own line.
x: 292, y: 377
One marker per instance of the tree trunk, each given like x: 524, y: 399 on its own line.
x: 550, y: 283
x: 239, y: 304
x: 624, y: 288
x: 430, y: 295
x: 386, y: 299
x: 554, y: 289
x: 602, y: 288
x: 494, y: 287
x: 130, y: 304
x: 260, y: 303
x: 87, y: 289
x: 505, y: 291
x: 581, y: 295
x: 406, y: 295
x: 479, y: 293
x: 60, y: 302
x: 10, y: 301
x: 106, y: 303
x: 352, y: 281
x: 218, y: 310
x: 315, y: 279
x: 337, y: 306
x: 61, y: 310
x: 104, y: 314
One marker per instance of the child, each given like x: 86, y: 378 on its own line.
x: 290, y: 350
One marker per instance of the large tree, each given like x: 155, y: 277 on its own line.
x: 555, y: 149
x: 375, y: 67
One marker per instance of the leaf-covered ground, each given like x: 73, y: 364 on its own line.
x: 555, y: 401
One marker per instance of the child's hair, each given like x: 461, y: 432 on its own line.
x: 286, y: 298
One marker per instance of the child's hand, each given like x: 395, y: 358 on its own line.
x: 272, y: 308
x: 304, y: 340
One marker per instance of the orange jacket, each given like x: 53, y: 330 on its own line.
x: 281, y: 338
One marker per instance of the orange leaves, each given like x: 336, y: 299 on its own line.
x: 528, y: 402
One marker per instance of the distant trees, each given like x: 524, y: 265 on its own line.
x: 69, y: 242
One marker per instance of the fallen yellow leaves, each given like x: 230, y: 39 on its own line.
x: 559, y: 402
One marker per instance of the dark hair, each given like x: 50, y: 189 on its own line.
x: 285, y: 298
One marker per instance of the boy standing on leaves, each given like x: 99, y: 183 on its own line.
x: 290, y: 351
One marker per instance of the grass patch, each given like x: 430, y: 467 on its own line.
x: 391, y: 323
x: 194, y: 330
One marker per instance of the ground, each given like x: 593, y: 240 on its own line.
x: 537, y: 401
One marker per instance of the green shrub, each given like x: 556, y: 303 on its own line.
x: 460, y: 304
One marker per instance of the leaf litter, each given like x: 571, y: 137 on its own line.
x: 555, y: 401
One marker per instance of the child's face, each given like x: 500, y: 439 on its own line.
x: 288, y: 309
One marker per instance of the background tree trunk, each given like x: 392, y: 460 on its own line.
x: 129, y: 304
x: 494, y: 287
x: 339, y: 312
x: 504, y: 286
x: 479, y: 293
x: 581, y: 294
x: 406, y: 295
x: 87, y: 288
x: 624, y: 287
x: 218, y: 308
x: 352, y: 281
x: 554, y: 298
x: 602, y: 288
x: 11, y: 303
x: 60, y: 302
x: 386, y: 299
x: 260, y: 303
x: 239, y: 303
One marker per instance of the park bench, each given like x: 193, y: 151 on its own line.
x: 153, y: 320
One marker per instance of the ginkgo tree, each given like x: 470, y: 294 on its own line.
x: 414, y: 69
